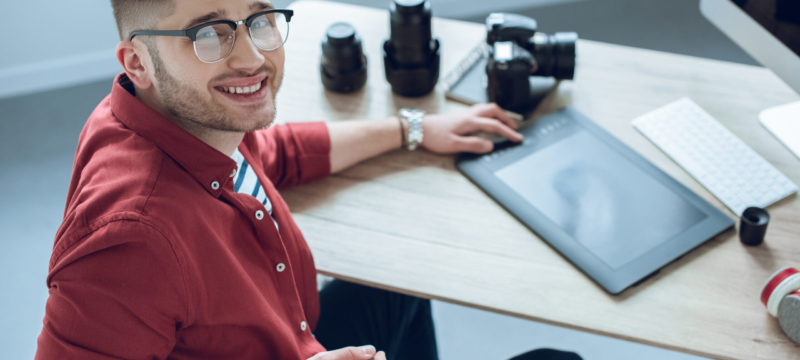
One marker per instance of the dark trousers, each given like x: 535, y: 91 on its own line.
x: 400, y: 325
x: 354, y: 315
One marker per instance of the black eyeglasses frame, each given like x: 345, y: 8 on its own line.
x: 191, y: 32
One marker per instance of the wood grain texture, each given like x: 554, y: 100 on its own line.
x: 409, y: 222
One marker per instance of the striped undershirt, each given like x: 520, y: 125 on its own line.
x: 247, y: 183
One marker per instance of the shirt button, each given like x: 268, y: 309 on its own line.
x: 215, y: 185
x: 281, y: 267
x: 233, y: 173
x: 259, y: 214
x: 303, y: 325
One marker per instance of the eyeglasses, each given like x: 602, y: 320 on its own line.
x: 214, y: 40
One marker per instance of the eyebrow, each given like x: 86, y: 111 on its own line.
x: 220, y: 13
x: 217, y: 14
x: 261, y: 5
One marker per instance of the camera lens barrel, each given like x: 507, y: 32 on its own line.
x: 343, y: 66
x: 410, y: 29
x: 411, y: 55
x: 555, y: 54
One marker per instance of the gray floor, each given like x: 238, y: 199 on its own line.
x: 38, y: 135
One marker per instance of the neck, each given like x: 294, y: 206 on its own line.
x: 225, y: 142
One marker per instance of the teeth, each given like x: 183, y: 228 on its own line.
x: 243, y: 90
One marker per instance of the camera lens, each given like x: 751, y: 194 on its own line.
x: 342, y: 48
x: 409, y: 5
x: 410, y: 30
x: 411, y: 55
x: 343, y: 64
x: 340, y: 33
x: 555, y: 54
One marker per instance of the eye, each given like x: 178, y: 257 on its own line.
x: 260, y: 23
x: 206, y: 35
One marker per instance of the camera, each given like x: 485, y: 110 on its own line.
x: 411, y: 55
x: 343, y: 65
x: 516, y: 52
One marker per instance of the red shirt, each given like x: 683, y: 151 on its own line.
x: 158, y: 257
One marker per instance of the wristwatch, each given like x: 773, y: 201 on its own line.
x: 414, y: 119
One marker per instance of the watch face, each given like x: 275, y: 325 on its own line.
x: 411, y: 112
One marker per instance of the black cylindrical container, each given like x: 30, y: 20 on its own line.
x: 753, y: 226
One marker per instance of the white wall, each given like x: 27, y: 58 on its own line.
x: 49, y: 44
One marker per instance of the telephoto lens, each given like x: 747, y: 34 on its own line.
x: 411, y: 55
x: 555, y: 54
x: 343, y: 66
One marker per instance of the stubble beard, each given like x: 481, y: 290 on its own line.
x: 187, y: 106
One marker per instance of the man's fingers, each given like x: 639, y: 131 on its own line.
x: 473, y: 144
x: 491, y: 110
x: 496, y: 127
x: 366, y: 352
x: 380, y: 355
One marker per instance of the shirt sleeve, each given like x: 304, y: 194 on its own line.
x: 117, y: 293
x: 292, y: 154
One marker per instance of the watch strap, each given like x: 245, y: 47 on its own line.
x: 414, y: 119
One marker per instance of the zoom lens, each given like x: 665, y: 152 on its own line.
x: 555, y: 54
x: 410, y: 30
x: 411, y: 55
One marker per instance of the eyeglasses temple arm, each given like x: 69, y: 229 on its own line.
x: 159, y: 33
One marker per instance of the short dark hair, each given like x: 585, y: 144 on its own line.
x: 139, y: 14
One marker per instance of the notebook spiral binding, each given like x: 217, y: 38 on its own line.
x: 454, y: 76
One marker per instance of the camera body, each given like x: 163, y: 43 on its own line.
x: 518, y: 51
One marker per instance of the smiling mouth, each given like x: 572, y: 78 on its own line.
x: 240, y: 90
x: 245, y: 93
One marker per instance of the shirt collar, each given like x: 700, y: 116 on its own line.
x: 211, y: 168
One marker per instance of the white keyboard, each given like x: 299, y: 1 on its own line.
x: 720, y: 161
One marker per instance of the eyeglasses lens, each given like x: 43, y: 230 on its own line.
x: 214, y: 42
x: 269, y: 31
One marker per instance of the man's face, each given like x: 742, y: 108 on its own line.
x: 197, y: 94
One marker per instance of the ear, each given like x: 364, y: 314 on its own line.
x: 134, y: 58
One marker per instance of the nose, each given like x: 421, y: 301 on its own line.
x: 245, y: 56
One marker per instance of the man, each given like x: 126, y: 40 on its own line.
x: 175, y: 242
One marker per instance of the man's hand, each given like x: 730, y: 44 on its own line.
x: 452, y: 133
x: 355, y: 141
x: 366, y: 352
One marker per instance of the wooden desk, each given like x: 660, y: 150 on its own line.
x: 409, y: 222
